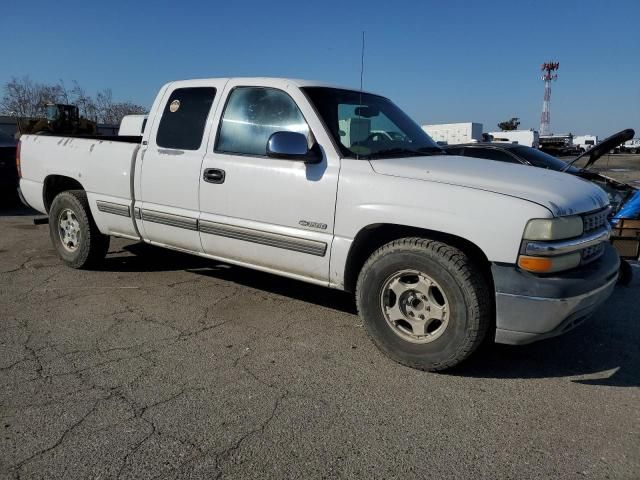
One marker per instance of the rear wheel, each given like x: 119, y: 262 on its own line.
x: 73, y: 232
x: 423, y: 303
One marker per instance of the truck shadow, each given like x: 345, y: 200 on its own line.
x: 148, y: 258
x: 605, y: 350
x: 10, y: 206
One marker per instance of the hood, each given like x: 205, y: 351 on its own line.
x: 605, y: 146
x: 561, y: 193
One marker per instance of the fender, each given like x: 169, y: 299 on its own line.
x: 493, y: 222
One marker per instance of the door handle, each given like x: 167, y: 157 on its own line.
x: 213, y: 175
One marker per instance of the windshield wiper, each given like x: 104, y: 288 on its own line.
x: 432, y: 150
x: 420, y: 152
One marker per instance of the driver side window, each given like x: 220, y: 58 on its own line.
x: 252, y: 115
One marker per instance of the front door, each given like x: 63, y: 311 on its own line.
x: 270, y: 213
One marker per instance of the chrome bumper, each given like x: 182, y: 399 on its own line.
x: 531, y: 307
x: 561, y: 247
x: 523, y: 319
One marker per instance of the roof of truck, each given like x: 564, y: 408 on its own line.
x: 270, y: 81
x: 501, y: 145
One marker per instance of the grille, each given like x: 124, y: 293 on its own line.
x: 592, y: 222
x: 596, y: 220
x: 591, y: 253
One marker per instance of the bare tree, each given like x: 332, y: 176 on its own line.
x: 86, y: 104
x: 118, y: 110
x: 25, y: 98
x: 22, y: 97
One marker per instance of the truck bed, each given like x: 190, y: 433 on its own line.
x: 109, y: 138
x: 102, y: 165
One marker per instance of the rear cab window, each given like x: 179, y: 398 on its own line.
x: 184, y: 117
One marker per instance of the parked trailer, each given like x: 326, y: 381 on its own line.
x: 559, y: 145
x: 455, y: 133
x: 631, y: 146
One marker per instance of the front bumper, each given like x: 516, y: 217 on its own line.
x: 530, y: 307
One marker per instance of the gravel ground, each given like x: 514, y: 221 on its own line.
x: 163, y: 365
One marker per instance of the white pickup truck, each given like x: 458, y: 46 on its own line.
x: 286, y: 176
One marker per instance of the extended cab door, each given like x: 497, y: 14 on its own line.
x: 270, y: 213
x: 169, y: 177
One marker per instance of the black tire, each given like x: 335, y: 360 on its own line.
x: 92, y: 246
x: 462, y: 283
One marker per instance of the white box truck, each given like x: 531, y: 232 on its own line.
x: 529, y: 138
x: 455, y: 133
x: 584, y: 142
x: 132, y: 125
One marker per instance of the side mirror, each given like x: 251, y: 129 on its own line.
x: 292, y: 146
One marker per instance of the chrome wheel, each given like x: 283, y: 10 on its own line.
x: 69, y: 230
x: 415, y: 306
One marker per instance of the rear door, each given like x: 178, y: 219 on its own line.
x: 267, y: 212
x: 170, y: 167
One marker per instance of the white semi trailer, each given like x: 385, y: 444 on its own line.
x: 455, y: 133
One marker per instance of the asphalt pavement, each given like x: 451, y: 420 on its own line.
x: 164, y: 365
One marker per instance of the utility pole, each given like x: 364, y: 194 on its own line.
x: 548, y: 74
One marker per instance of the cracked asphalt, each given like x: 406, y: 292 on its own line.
x: 163, y: 365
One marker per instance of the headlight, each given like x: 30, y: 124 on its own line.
x: 553, y: 228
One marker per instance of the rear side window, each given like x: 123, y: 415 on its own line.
x: 184, y: 118
x: 252, y: 115
x: 490, y: 154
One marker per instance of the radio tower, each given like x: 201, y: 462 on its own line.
x: 548, y: 74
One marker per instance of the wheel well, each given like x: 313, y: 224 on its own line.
x: 372, y: 237
x: 55, y: 184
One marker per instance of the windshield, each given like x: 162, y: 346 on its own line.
x: 542, y: 160
x: 52, y: 112
x: 369, y: 126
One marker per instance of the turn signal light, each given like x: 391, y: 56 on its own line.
x: 549, y: 264
x: 18, y: 160
x: 535, y: 264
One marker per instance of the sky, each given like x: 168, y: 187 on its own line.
x: 441, y: 61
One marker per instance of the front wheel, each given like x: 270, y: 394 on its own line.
x: 424, y: 303
x: 73, y: 231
